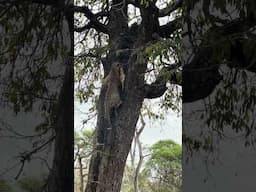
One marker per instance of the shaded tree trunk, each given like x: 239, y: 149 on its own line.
x: 113, y: 145
x: 61, y: 177
x: 62, y: 173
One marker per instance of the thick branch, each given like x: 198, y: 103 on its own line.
x: 94, y: 23
x: 158, y: 88
x: 199, y: 83
x: 45, y: 2
x: 203, y: 54
x: 83, y: 28
x: 135, y: 3
x: 172, y: 26
x: 201, y: 75
x: 170, y: 8
x: 53, y: 3
x: 101, y: 14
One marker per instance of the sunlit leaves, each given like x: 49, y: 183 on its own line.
x: 166, y: 150
x: 164, y: 166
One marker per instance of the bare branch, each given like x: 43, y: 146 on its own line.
x: 170, y: 8
x: 26, y: 156
x: 141, y: 156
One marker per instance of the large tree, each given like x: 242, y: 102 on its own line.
x: 107, y: 35
x: 146, y: 43
x: 164, y: 166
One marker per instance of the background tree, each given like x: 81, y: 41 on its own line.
x: 83, y: 150
x: 160, y: 170
x: 164, y: 166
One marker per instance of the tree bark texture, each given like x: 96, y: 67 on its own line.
x: 112, y: 146
x: 126, y: 46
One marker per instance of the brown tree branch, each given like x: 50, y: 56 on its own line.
x: 170, y: 8
x: 200, y: 74
x: 158, y: 88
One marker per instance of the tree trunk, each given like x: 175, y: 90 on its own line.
x: 141, y: 157
x: 113, y: 146
x: 62, y: 173
x: 61, y: 178
x: 81, y: 175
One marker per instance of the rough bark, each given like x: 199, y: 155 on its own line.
x: 114, y: 145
